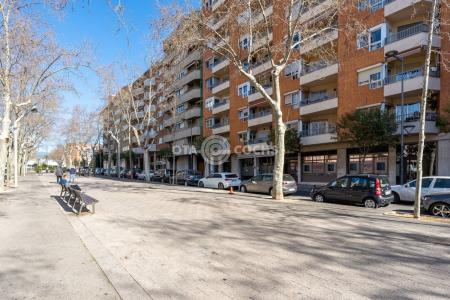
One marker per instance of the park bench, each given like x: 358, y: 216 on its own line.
x: 73, y: 195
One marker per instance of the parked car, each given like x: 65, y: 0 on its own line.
x: 182, y: 176
x: 163, y: 175
x: 193, y: 180
x: 141, y: 175
x: 263, y: 184
x: 430, y: 185
x: 220, y: 181
x: 370, y: 190
x: 131, y: 174
x: 123, y: 173
x: 437, y: 204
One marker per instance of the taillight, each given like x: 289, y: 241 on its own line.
x: 377, y: 187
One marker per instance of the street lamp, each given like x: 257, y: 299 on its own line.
x: 15, y: 131
x: 394, y: 54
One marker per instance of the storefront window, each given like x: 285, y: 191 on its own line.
x: 319, y: 168
x: 374, y: 163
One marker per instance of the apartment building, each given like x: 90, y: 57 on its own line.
x: 317, y: 92
x: 180, y: 108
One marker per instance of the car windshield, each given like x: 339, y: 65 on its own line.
x: 231, y: 176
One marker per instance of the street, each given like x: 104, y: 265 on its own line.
x: 178, y: 242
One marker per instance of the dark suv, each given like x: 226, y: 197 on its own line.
x: 370, y: 190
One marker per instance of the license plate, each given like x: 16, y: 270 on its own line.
x: 388, y: 192
x: 291, y: 190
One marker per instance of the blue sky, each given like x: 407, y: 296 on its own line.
x: 95, y: 23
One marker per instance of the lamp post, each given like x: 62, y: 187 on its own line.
x: 15, y: 131
x: 394, y: 54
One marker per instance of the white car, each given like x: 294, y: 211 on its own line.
x: 220, y: 181
x: 430, y: 185
x: 141, y: 175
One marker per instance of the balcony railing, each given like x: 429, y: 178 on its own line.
x: 315, y: 66
x: 257, y: 141
x: 221, y: 124
x: 259, y: 114
x: 417, y: 72
x: 318, y: 98
x: 328, y: 128
x: 415, y: 117
x: 266, y: 86
x: 373, y: 5
x: 220, y: 103
x: 403, y: 34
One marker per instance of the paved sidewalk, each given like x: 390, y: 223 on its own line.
x: 41, y: 256
x: 205, y: 244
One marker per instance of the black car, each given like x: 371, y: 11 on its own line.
x: 370, y: 190
x: 193, y: 180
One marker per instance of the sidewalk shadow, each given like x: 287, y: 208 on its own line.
x: 67, y: 207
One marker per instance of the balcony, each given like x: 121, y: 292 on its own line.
x: 321, y: 135
x: 255, y: 95
x: 193, y: 93
x: 191, y: 113
x: 191, y: 76
x: 413, y: 81
x: 195, y: 55
x: 258, y: 144
x: 221, y: 106
x: 314, y: 104
x: 138, y: 91
x: 181, y: 134
x: 150, y: 108
x: 411, y: 38
x: 220, y: 65
x: 322, y: 39
x: 397, y: 9
x: 259, y: 118
x: 220, y: 44
x: 411, y: 123
x: 221, y: 127
x: 318, y: 71
x: 222, y: 85
x: 261, y: 41
x: 151, y: 148
x: 169, y: 122
x: 307, y: 13
x: 261, y: 67
x: 217, y: 24
x: 150, y: 81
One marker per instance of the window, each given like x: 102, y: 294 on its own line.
x: 246, y: 66
x: 296, y: 40
x: 307, y: 168
x: 340, y: 183
x: 244, y: 90
x: 179, y: 125
x: 375, y: 39
x: 331, y: 168
x: 370, y: 74
x: 442, y: 183
x: 381, y: 166
x: 210, y: 82
x: 353, y: 167
x: 292, y: 98
x: 426, y: 182
x: 292, y: 70
x: 244, y: 43
x: 209, y: 103
x: 359, y: 182
x: 375, y: 80
x: 257, y: 178
x: 268, y: 177
x: 180, y: 109
x: 209, y: 123
x: 242, y: 137
x: 211, y: 63
x: 411, y: 112
x: 243, y: 114
x: 362, y: 40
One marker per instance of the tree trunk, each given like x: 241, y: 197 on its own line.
x: 147, y: 165
x: 280, y: 130
x: 423, y: 111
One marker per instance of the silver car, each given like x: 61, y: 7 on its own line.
x: 263, y: 184
x: 437, y: 204
x: 430, y: 185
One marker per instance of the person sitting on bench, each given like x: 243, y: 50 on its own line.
x: 63, y: 180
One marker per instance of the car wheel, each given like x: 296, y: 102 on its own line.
x: 370, y: 203
x: 201, y: 184
x: 220, y: 186
x: 270, y: 191
x: 244, y: 189
x: 319, y: 198
x: 396, y: 197
x: 440, y: 210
